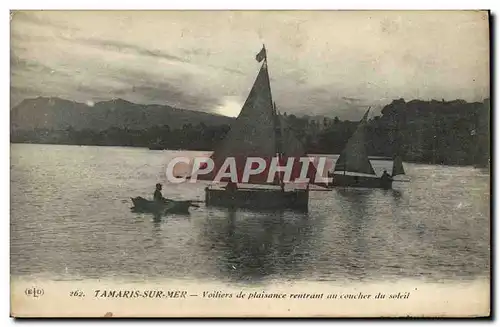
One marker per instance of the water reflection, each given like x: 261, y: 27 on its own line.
x: 353, y: 220
x: 157, y: 232
x: 252, y: 246
x: 396, y: 195
x: 156, y: 219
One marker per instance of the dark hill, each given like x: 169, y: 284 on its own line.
x: 59, y: 114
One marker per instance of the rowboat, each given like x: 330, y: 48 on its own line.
x: 168, y: 207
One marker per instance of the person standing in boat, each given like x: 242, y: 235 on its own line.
x: 158, y: 197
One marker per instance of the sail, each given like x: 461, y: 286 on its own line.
x: 354, y: 157
x: 252, y: 134
x: 292, y: 148
x: 397, y: 166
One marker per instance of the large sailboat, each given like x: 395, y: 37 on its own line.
x: 353, y: 167
x: 259, y: 131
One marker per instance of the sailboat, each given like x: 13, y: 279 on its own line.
x: 354, y: 160
x: 258, y: 131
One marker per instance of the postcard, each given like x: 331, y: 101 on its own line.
x: 250, y: 164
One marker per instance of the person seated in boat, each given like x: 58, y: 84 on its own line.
x: 231, y: 186
x: 385, y: 176
x: 158, y: 197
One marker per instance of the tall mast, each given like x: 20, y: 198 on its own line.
x: 276, y: 122
x: 267, y: 68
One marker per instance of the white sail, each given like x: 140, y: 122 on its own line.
x: 354, y: 157
x: 397, y: 166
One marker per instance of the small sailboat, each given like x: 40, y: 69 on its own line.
x: 353, y: 167
x: 258, y: 131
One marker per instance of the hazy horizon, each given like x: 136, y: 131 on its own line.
x: 333, y: 63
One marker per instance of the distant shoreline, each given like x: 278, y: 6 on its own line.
x: 372, y: 158
x: 454, y: 133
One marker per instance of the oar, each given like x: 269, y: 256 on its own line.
x: 191, y: 202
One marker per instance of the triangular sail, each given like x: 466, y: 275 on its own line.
x: 397, y: 166
x: 354, y: 157
x: 252, y: 134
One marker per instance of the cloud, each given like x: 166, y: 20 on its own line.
x: 118, y: 46
x: 229, y: 70
x: 119, y: 79
x: 35, y: 17
x: 351, y: 99
x: 320, y: 62
x: 17, y: 64
x: 155, y: 89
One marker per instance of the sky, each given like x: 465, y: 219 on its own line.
x: 333, y: 63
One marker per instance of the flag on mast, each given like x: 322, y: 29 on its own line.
x: 261, y: 55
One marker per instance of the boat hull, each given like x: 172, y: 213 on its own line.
x: 360, y: 181
x: 258, y: 199
x: 171, y: 207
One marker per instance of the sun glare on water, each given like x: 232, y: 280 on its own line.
x: 230, y: 107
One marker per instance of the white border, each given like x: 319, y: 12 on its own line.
x: 185, y: 4
x: 254, y: 4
